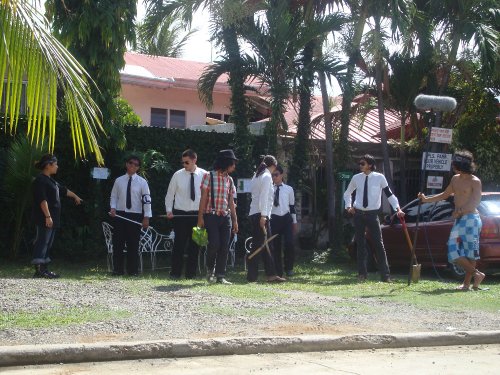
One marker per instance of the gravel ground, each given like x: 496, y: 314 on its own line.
x: 170, y: 310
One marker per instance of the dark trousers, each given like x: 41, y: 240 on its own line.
x: 258, y: 241
x: 219, y: 232
x: 43, y: 243
x: 283, y: 226
x: 368, y: 220
x: 126, y: 233
x: 183, y: 228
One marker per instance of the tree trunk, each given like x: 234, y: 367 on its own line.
x: 330, y: 181
x: 348, y: 89
x: 381, y: 115
x: 239, y: 107
x: 301, y: 155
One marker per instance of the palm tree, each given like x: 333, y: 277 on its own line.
x: 31, y: 56
x: 167, y: 41
x: 226, y: 15
x: 461, y: 22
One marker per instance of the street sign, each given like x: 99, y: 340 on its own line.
x: 243, y: 185
x: 434, y: 182
x: 441, y: 135
x: 344, y: 175
x: 437, y: 162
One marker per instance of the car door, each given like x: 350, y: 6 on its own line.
x: 396, y: 245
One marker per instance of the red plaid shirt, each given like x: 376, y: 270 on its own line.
x: 223, y: 190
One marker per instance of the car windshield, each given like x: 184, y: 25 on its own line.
x: 491, y: 204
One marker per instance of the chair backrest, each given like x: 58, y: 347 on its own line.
x: 146, y: 240
x: 161, y: 242
x: 107, y: 229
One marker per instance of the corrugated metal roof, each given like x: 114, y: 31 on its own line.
x: 169, y: 67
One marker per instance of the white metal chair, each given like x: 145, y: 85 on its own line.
x: 158, y: 243
x: 151, y: 242
x: 107, y: 229
x: 248, y: 249
x: 231, y: 259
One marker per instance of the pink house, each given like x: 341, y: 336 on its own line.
x: 163, y: 91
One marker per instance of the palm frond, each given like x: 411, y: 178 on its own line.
x: 29, y: 53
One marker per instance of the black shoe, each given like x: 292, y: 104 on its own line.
x: 50, y: 275
x: 116, y: 273
x: 387, y: 280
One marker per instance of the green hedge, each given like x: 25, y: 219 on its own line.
x: 80, y: 236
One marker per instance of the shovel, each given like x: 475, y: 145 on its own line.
x: 414, y: 274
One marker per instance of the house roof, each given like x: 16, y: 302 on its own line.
x: 361, y: 128
x: 154, y: 71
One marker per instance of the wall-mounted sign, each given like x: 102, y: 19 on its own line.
x: 441, y: 135
x: 434, y: 182
x: 437, y: 162
x: 100, y: 173
x: 243, y: 185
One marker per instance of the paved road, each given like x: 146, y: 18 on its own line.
x: 453, y: 360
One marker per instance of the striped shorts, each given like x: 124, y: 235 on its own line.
x: 464, y: 238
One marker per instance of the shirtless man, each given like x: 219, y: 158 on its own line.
x: 463, y: 244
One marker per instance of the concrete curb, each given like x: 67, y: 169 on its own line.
x: 113, y: 351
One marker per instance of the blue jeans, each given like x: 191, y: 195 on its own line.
x: 43, y: 243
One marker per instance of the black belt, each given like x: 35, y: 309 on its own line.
x: 367, y: 212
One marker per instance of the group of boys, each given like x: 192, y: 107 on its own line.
x: 131, y: 205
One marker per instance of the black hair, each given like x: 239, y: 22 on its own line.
x: 45, y: 160
x: 463, y: 161
x: 223, y: 164
x: 190, y: 154
x: 266, y: 162
x: 134, y: 157
x: 370, y: 160
x: 279, y: 169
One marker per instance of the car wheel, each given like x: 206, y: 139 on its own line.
x: 457, y: 272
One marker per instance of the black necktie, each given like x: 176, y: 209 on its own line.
x: 365, y: 193
x: 192, y: 187
x: 129, y: 196
x: 277, y: 196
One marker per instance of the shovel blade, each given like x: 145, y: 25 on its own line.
x: 415, y: 272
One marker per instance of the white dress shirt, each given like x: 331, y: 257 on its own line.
x: 286, y: 199
x: 179, y: 190
x: 138, y: 189
x: 262, y: 194
x: 376, y: 183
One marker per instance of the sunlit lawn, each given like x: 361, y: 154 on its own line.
x: 325, y: 279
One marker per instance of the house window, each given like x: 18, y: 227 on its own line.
x: 177, y: 119
x: 22, y: 108
x: 217, y: 116
x: 159, y: 117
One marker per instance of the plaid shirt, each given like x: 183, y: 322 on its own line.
x: 223, y: 189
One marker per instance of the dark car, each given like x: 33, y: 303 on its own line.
x: 434, y: 227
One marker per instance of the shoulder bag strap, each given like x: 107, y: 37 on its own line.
x: 212, y: 191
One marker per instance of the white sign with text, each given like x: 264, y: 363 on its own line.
x: 243, y: 185
x: 434, y: 182
x: 437, y: 162
x: 441, y: 135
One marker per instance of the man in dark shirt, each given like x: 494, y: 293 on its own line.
x: 47, y: 213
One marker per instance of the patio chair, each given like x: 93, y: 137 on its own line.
x: 159, y: 243
x: 145, y: 245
